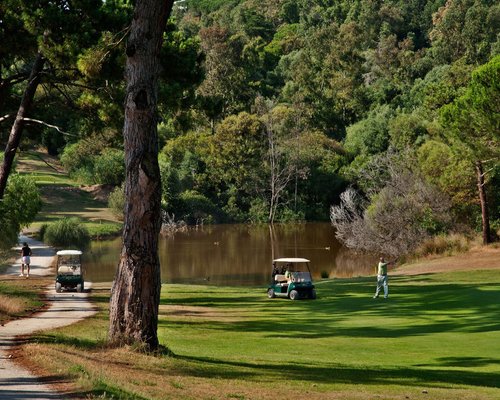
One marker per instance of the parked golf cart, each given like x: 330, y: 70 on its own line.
x: 291, y: 278
x: 69, y: 270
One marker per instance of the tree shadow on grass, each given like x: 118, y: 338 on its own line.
x: 337, y: 374
x: 81, y: 343
x: 467, y: 362
x: 418, y: 308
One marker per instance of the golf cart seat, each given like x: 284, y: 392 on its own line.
x: 68, y: 270
x: 280, y: 278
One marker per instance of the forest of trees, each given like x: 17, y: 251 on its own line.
x: 275, y: 110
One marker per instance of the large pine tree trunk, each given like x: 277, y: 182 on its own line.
x: 17, y: 128
x: 136, y: 289
x: 484, y: 203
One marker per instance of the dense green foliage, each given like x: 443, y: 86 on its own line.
x: 116, y: 201
x: 67, y: 233
x: 18, y: 208
x: 269, y: 110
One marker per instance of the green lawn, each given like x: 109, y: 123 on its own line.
x: 436, y: 336
x: 19, y: 297
x: 63, y: 197
x: 438, y: 331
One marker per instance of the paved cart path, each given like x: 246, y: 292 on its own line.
x: 64, y: 309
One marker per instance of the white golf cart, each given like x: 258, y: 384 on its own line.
x: 291, y: 277
x: 69, y: 271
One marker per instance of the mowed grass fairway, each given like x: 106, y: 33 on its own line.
x: 436, y: 337
x: 63, y: 198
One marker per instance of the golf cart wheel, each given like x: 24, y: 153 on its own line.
x: 294, y: 295
x: 270, y: 293
x: 58, y: 287
x: 312, y: 295
x: 79, y: 288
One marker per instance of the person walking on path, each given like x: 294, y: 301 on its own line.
x: 16, y: 381
x: 382, y: 278
x: 26, y: 259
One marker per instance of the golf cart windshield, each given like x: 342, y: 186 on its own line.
x: 69, y: 264
x: 300, y: 276
x: 295, y: 269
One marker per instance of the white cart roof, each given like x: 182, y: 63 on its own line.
x: 69, y: 253
x: 292, y: 260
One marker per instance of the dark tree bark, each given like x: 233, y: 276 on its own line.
x: 484, y: 203
x: 136, y: 290
x: 17, y: 128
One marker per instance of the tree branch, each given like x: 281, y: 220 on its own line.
x: 7, y: 116
x: 116, y: 44
x: 12, y: 80
x: 49, y: 125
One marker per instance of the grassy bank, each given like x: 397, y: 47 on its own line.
x: 435, y: 337
x: 20, y: 297
x: 64, y: 198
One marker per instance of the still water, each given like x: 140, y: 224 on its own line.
x: 237, y: 255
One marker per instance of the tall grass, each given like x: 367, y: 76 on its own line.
x: 19, y: 297
x: 116, y: 202
x: 11, y: 305
x: 444, y: 245
x: 67, y: 232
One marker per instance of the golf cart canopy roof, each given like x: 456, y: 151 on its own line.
x: 69, y: 253
x: 292, y: 260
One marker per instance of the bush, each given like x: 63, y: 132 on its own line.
x: 83, y: 175
x: 286, y: 215
x: 109, y: 167
x: 76, y: 156
x: 197, y: 208
x: 443, y: 244
x: 259, y: 211
x: 19, y: 207
x: 116, y: 202
x: 41, y: 232
x: 67, y: 232
x: 85, y: 166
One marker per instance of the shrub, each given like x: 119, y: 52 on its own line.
x: 109, y: 167
x: 67, y: 232
x: 170, y: 185
x: 197, y: 208
x: 84, y: 175
x: 286, y: 214
x: 76, y: 155
x: 19, y: 207
x: 443, y: 244
x: 41, y: 232
x: 259, y: 211
x: 116, y: 202
x: 22, y: 199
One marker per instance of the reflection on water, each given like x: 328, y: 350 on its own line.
x: 239, y: 254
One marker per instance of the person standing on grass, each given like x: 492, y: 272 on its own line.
x: 25, y: 261
x: 382, y: 278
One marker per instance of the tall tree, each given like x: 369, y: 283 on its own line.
x: 44, y: 46
x: 474, y: 120
x: 136, y: 290
x: 17, y: 127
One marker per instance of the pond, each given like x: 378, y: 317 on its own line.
x: 237, y: 254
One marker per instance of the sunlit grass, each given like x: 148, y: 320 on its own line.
x: 437, y: 333
x: 63, y: 198
x: 20, y: 297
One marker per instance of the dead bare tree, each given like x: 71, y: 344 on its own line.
x: 394, y: 219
